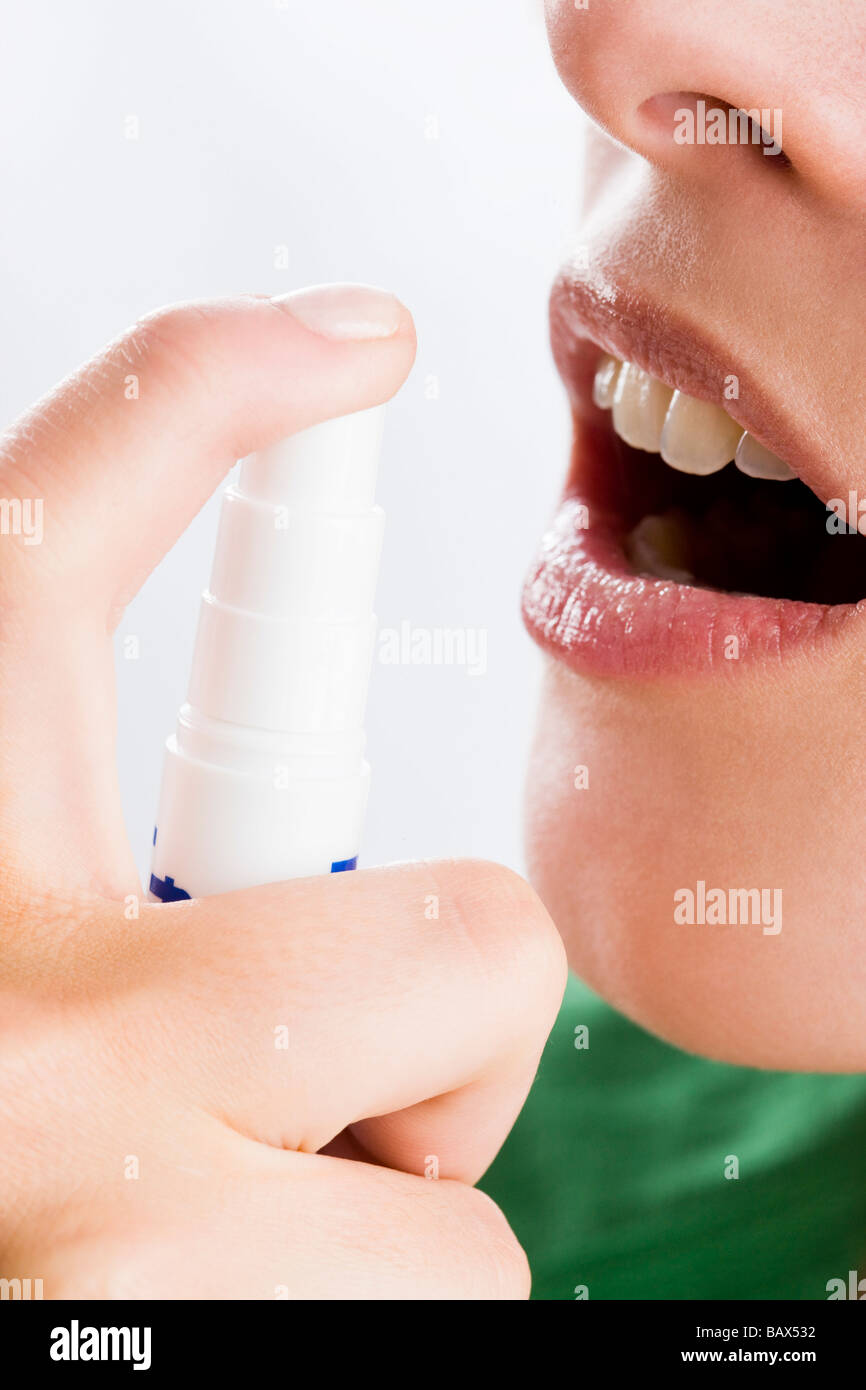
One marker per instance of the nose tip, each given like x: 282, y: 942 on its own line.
x: 646, y: 73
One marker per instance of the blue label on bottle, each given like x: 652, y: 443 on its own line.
x: 166, y: 889
x: 340, y: 866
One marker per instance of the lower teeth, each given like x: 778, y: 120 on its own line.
x: 658, y: 548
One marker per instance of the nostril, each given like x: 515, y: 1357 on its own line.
x: 691, y: 118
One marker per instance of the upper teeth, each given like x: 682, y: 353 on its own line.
x: 691, y: 435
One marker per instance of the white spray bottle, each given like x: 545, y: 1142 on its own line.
x: 265, y: 777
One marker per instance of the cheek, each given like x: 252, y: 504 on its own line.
x: 637, y: 795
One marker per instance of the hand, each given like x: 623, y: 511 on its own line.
x: 282, y: 1092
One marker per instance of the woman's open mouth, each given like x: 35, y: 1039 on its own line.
x: 683, y: 541
x: 704, y: 503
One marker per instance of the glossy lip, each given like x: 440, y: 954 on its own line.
x: 581, y: 600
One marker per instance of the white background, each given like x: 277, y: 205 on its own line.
x: 268, y: 123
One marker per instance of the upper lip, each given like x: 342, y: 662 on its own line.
x: 587, y: 316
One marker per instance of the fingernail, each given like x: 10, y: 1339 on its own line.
x: 347, y: 313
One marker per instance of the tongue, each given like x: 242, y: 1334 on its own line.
x: 658, y: 547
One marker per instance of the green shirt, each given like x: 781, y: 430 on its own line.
x: 619, y: 1175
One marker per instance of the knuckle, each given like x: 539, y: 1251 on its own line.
x: 172, y: 343
x: 511, y: 928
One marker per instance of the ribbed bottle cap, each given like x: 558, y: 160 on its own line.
x: 286, y: 631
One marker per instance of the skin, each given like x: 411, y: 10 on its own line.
x: 750, y: 776
x: 157, y: 1143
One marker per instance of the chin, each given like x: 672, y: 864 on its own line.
x: 640, y: 793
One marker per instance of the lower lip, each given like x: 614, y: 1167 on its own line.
x: 583, y: 604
